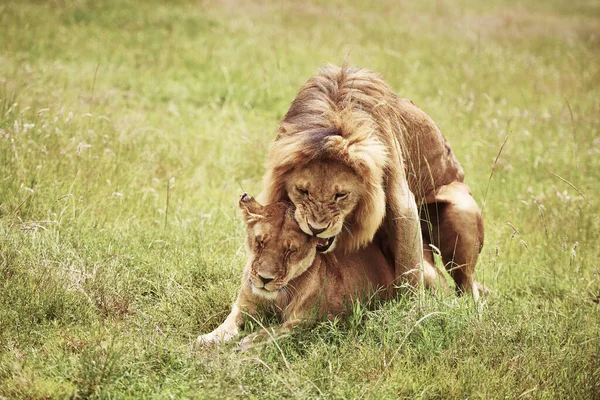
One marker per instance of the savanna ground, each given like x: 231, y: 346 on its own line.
x: 128, y: 129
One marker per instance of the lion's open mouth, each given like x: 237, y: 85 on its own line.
x: 323, y: 244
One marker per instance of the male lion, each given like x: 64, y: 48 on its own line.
x: 285, y: 271
x: 355, y: 159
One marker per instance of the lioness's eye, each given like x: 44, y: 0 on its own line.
x: 339, y: 196
x: 259, y: 241
x: 303, y: 192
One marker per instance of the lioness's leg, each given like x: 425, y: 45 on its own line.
x: 267, y: 335
x: 457, y: 230
x: 226, y: 331
x: 230, y: 327
x: 298, y: 311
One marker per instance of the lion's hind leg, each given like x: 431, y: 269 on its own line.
x: 457, y: 231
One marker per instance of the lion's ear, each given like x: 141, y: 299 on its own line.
x: 251, y: 209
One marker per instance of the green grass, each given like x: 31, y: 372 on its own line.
x: 110, y: 110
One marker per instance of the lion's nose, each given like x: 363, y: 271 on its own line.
x: 316, y: 231
x: 265, y: 279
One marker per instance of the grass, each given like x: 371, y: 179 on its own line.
x: 110, y: 110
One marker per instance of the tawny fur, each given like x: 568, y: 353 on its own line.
x: 352, y: 117
x: 305, y: 285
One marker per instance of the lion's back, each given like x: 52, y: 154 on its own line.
x: 428, y: 159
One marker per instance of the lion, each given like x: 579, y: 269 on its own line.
x: 356, y: 160
x: 286, y: 272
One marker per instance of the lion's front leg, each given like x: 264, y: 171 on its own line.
x: 403, y: 231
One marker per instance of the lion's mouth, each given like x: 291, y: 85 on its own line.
x: 323, y: 244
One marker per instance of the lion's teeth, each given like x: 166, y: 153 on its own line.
x: 322, y: 241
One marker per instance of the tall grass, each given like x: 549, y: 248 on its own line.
x: 127, y: 130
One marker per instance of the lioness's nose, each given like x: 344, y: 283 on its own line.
x: 316, y: 231
x: 265, y: 279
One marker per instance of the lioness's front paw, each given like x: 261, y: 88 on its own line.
x: 207, y: 340
x: 215, y: 337
x: 248, y: 342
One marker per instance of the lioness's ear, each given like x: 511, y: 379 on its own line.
x: 251, y: 208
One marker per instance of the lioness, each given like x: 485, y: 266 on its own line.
x: 285, y: 271
x: 355, y: 160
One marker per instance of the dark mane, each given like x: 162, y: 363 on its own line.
x: 315, y: 139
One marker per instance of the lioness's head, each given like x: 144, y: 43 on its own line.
x: 278, y: 250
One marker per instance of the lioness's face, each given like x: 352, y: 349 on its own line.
x: 324, y: 192
x: 278, y: 250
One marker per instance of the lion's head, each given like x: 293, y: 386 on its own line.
x: 278, y: 250
x: 329, y: 158
x: 330, y: 198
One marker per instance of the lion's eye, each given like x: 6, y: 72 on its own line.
x: 303, y: 192
x: 339, y: 196
x: 260, y: 241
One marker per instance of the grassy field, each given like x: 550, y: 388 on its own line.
x: 128, y: 129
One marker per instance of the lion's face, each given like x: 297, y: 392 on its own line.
x: 278, y: 251
x: 324, y: 192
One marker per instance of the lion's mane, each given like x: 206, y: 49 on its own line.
x: 352, y: 116
x: 336, y: 117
